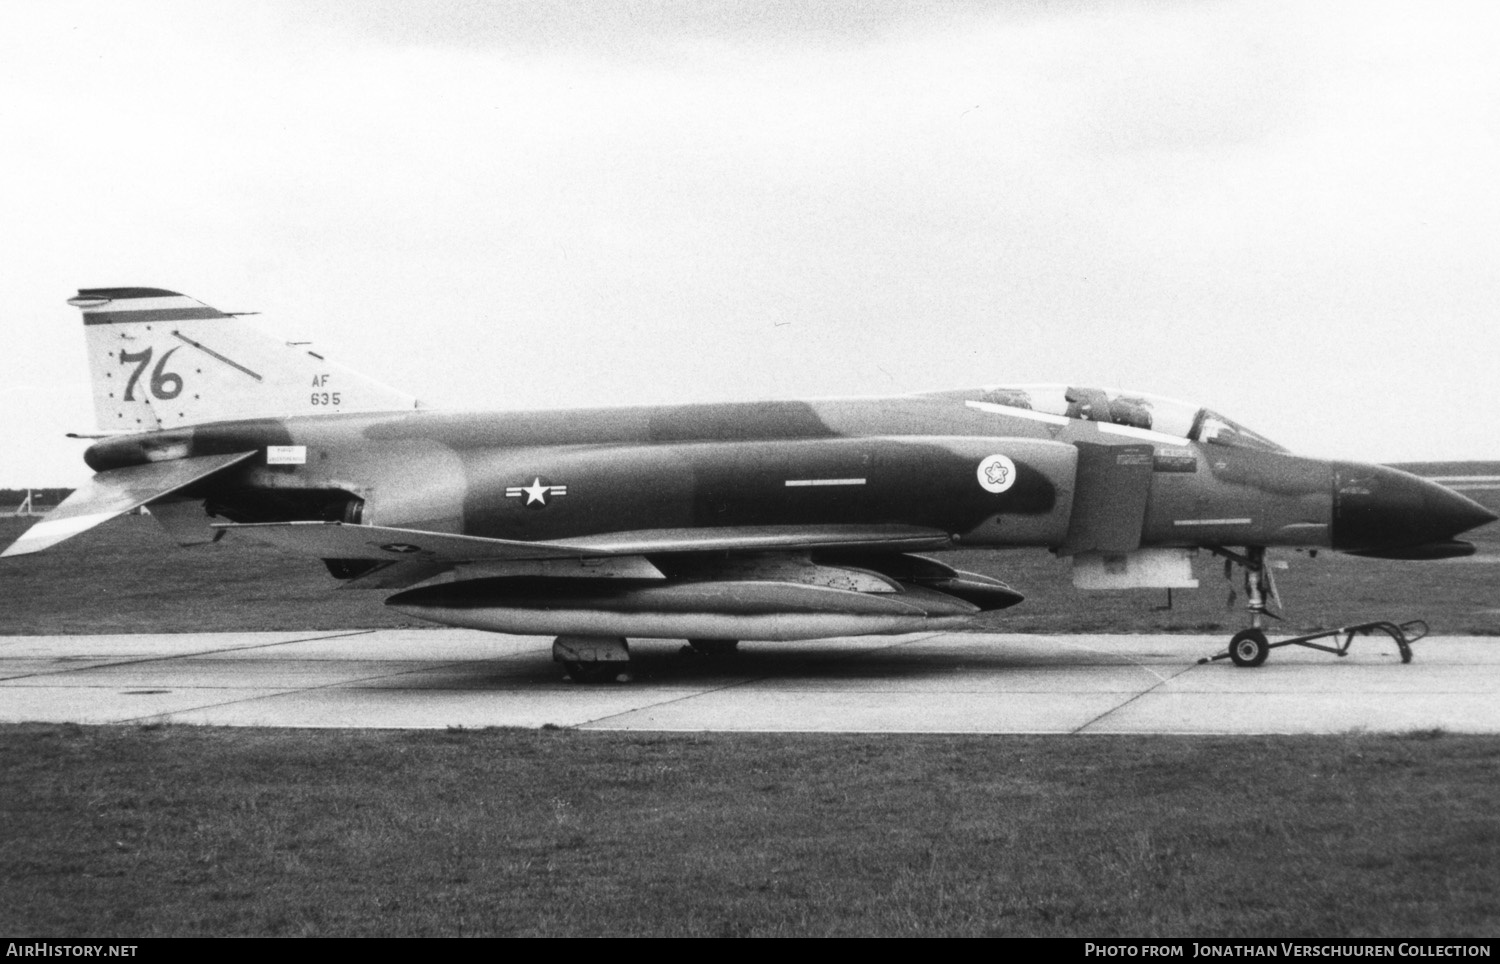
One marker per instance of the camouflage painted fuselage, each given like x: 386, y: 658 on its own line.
x: 1080, y: 486
x: 762, y: 520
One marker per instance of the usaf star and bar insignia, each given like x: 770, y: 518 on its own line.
x: 537, y: 493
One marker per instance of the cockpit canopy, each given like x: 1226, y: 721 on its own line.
x: 1133, y: 409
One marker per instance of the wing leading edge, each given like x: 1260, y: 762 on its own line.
x: 338, y: 540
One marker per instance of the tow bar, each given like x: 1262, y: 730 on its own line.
x: 1250, y: 647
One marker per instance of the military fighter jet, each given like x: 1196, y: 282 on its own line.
x: 712, y: 523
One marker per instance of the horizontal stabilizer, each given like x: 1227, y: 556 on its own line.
x: 338, y: 540
x: 116, y: 492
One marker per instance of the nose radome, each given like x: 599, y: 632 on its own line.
x: 1453, y: 512
x: 1376, y: 507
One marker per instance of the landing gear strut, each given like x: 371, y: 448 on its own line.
x: 1260, y: 587
x: 1249, y: 647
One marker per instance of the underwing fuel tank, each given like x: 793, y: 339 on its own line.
x: 695, y: 609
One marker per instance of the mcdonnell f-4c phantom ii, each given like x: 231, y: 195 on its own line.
x: 713, y: 523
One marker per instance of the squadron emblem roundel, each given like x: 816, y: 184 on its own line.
x: 996, y: 474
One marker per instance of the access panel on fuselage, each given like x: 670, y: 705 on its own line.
x: 1110, y: 495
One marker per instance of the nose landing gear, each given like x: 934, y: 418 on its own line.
x: 1250, y: 647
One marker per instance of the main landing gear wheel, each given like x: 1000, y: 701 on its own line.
x: 592, y: 659
x: 714, y: 647
x: 1249, y: 648
x: 593, y: 672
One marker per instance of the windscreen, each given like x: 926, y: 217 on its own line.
x: 1215, y: 428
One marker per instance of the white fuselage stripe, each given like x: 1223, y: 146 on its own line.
x: 792, y: 483
x: 1019, y: 413
x: 1211, y: 522
x: 1144, y: 434
x: 1131, y: 431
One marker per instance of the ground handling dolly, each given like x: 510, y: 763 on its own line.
x: 1250, y: 647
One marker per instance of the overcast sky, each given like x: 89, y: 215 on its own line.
x: 1285, y: 211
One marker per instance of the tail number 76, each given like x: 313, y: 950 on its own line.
x: 164, y: 384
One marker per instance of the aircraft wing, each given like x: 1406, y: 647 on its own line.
x: 338, y: 540
x: 116, y: 492
x: 342, y: 540
x: 894, y: 538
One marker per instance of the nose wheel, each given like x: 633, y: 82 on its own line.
x: 1249, y: 647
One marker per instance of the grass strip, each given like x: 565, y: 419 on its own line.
x: 167, y: 830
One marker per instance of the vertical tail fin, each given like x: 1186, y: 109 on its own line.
x: 160, y: 359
